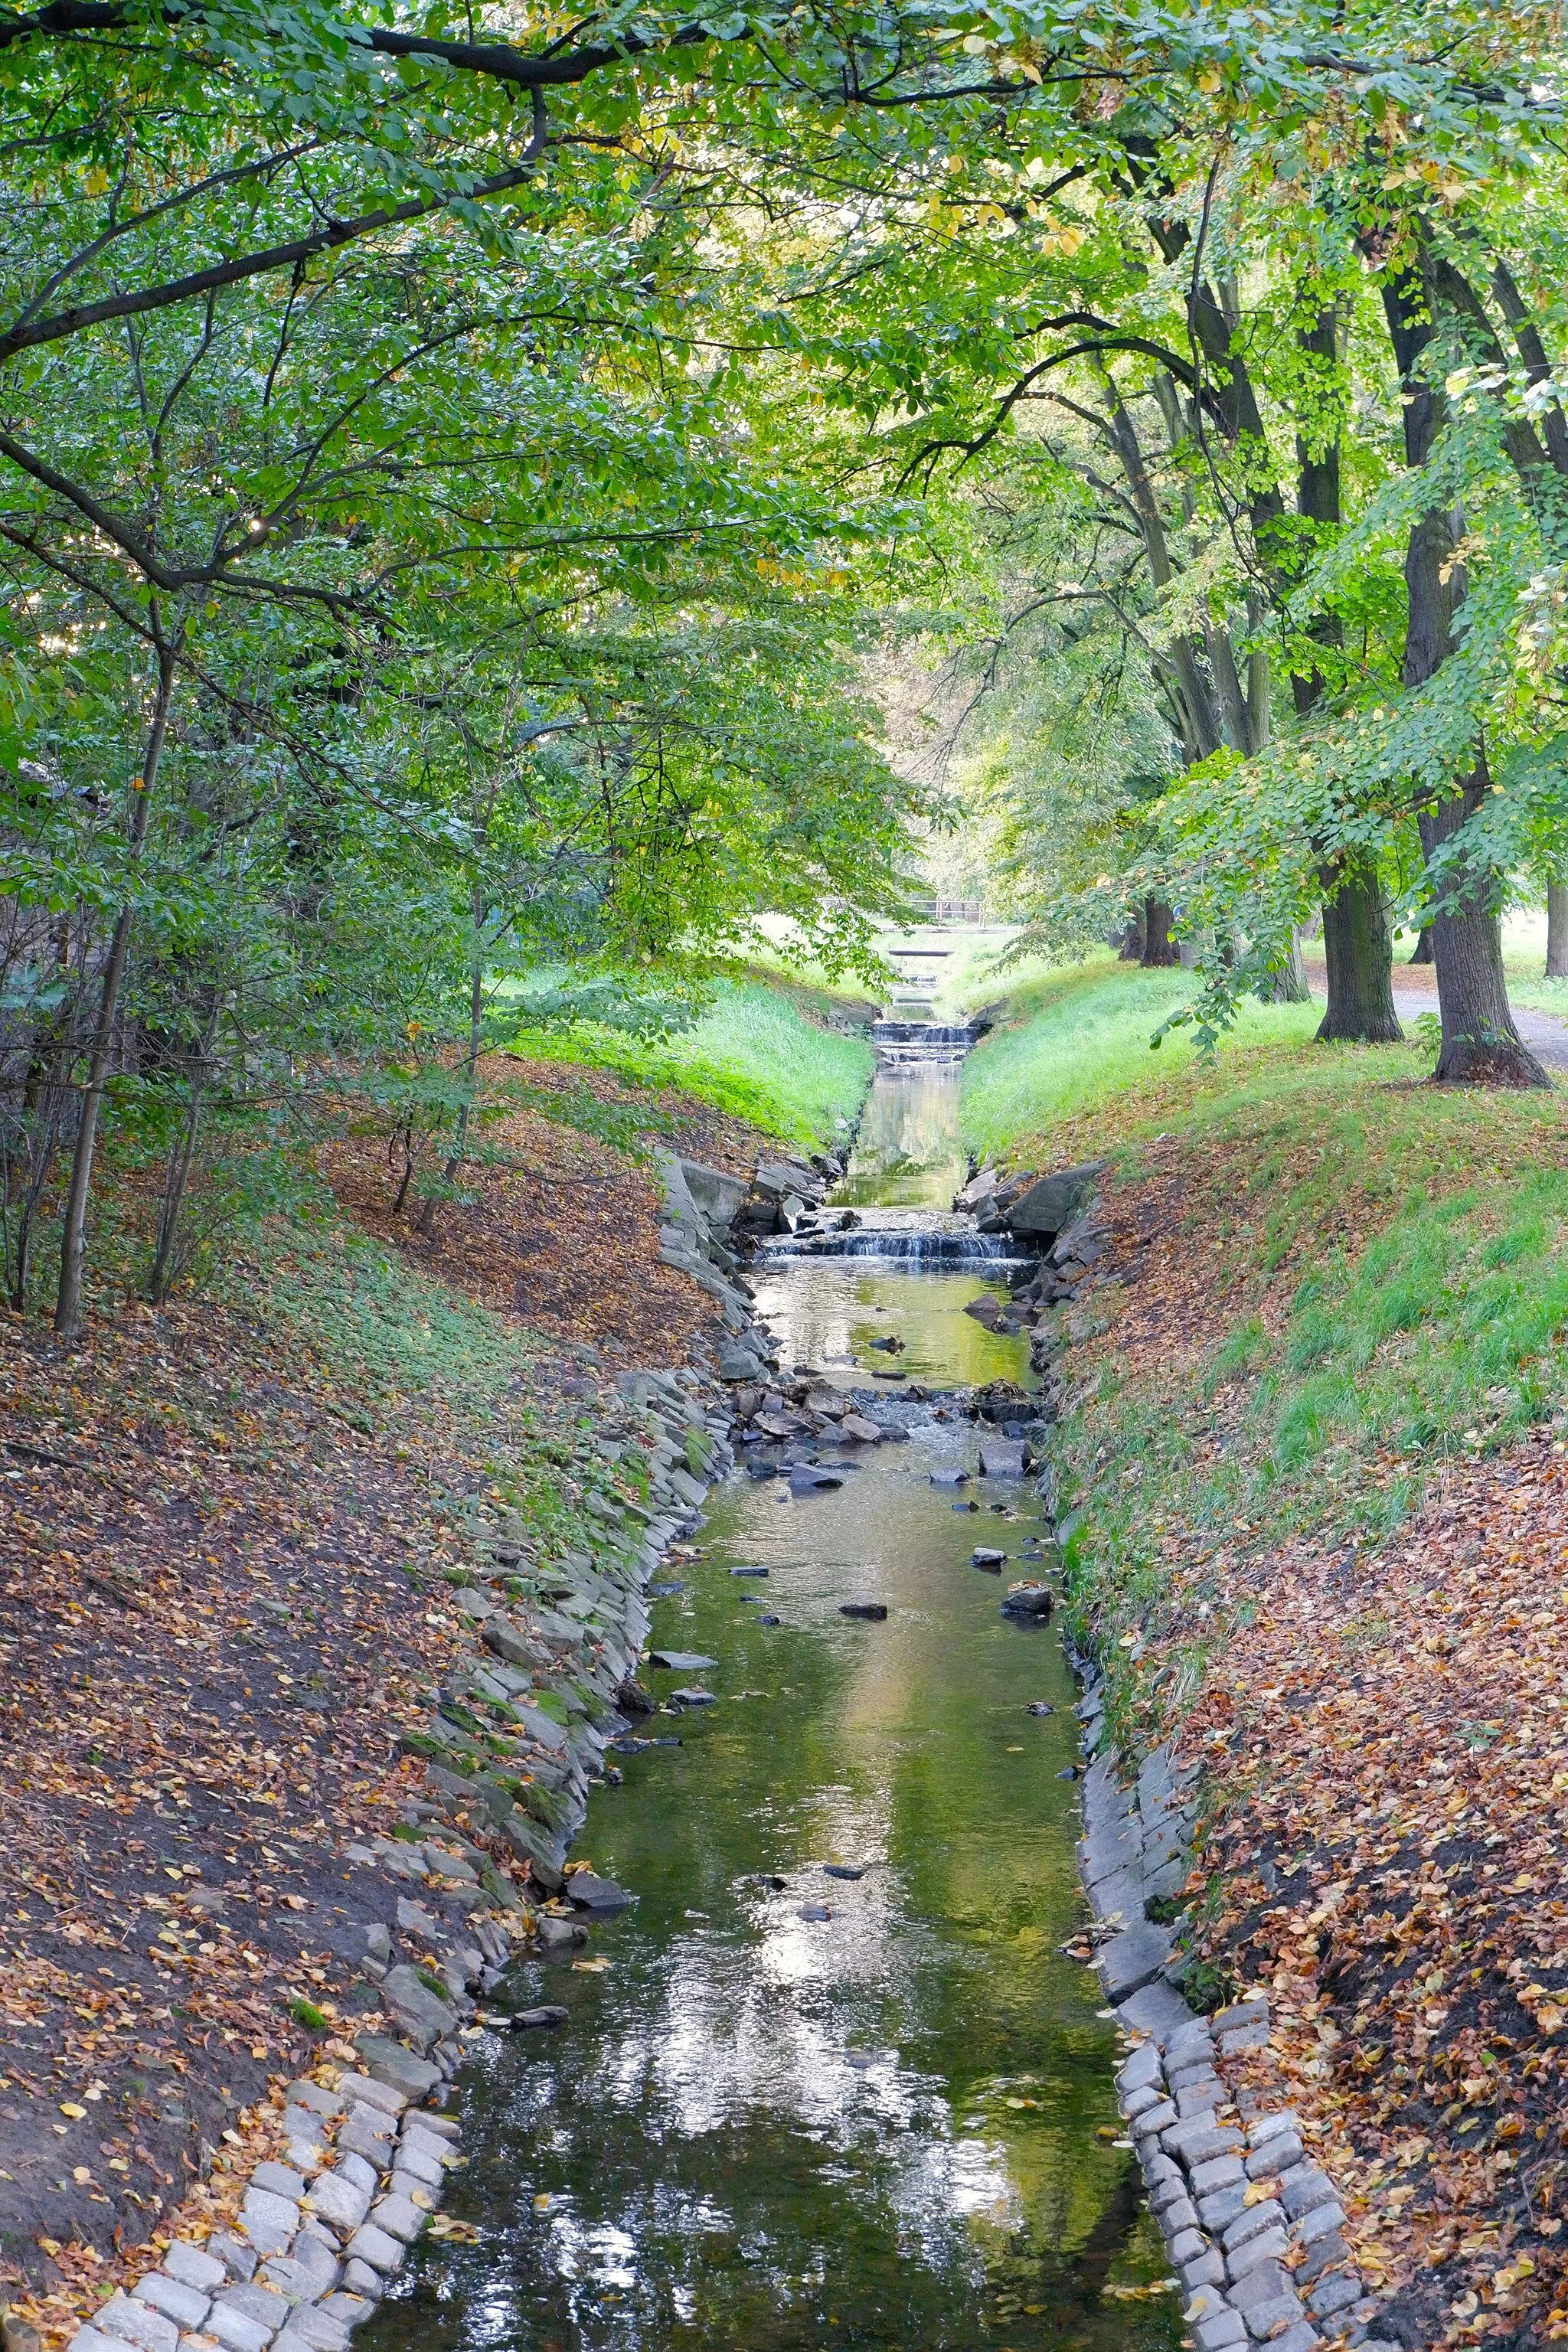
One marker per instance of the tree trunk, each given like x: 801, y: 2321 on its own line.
x: 1481, y: 1043
x: 73, y: 1241
x: 1288, y: 983
x: 1159, y: 947
x: 1422, y: 952
x: 1557, y: 931
x: 1129, y: 948
x: 1360, y: 955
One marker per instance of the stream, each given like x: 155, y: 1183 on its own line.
x: 829, y: 2082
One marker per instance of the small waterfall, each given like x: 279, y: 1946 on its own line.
x: 909, y: 1245
x: 920, y: 1045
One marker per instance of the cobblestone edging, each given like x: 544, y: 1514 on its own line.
x: 1253, y: 2227
x: 518, y: 1731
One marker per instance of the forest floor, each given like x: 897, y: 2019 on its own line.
x: 1316, y: 1431
x: 225, y: 1567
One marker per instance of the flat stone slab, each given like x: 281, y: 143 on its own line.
x: 1157, y: 2008
x: 1132, y: 1960
x: 681, y: 1662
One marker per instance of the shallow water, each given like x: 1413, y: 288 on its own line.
x: 840, y: 2111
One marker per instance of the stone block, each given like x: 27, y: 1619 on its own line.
x: 1324, y: 2254
x: 1159, y: 2169
x: 1158, y: 2009
x: 1220, y: 2207
x: 136, y: 2323
x: 357, y: 2138
x: 236, y: 2332
x: 399, y: 2217
x: 1132, y: 1960
x: 1321, y: 2221
x: 1219, y: 2172
x: 1302, y: 2187
x: 1200, y: 2139
x: 360, y: 2172
x: 1219, y: 2331
x: 1269, y: 2246
x: 1142, y: 2070
x: 92, y: 2339
x: 1252, y: 2222
x: 1277, y: 2155
x: 1266, y: 2319
x: 311, y: 2330
x: 1246, y: 2037
x: 1204, y: 2270
x: 377, y: 2247
x: 237, y: 2259
x: 279, y: 2180
x: 341, y: 2202
x: 1269, y: 2126
x: 186, y: 2306
x: 361, y: 2282
x: 1300, y: 2336
x: 1240, y: 2013
x: 388, y: 2063
x: 309, y: 2272
x: 1265, y: 2283
x: 268, y: 2221
x: 1336, y: 2293
x: 1153, y: 2120
x: 1185, y: 2245
x: 193, y: 2268
x: 260, y: 2303
x: 306, y: 2094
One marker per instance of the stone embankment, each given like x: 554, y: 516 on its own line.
x: 1253, y: 2226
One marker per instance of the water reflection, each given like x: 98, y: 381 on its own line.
x: 907, y: 1153
x: 888, y: 2125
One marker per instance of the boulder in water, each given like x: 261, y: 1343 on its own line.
x: 1001, y: 1457
x: 1034, y: 1600
x: 984, y: 1555
x: 950, y: 1477
x: 874, y: 1610
x: 864, y: 1431
x: 986, y: 1309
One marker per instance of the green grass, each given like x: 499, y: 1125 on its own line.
x: 757, y: 1053
x: 1078, y: 1039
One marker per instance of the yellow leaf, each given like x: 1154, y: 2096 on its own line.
x: 69, y: 2107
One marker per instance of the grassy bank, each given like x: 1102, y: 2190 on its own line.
x: 1075, y: 1040
x: 762, y: 1051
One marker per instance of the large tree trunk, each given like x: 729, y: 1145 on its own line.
x: 1422, y: 951
x: 1480, y: 1043
x: 1358, y: 954
x: 1557, y: 931
x: 1159, y: 947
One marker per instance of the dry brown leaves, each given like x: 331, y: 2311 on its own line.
x: 566, y: 1236
x: 1388, y: 1751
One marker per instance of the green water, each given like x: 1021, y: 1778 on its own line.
x: 889, y: 2126
x: 907, y: 1151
